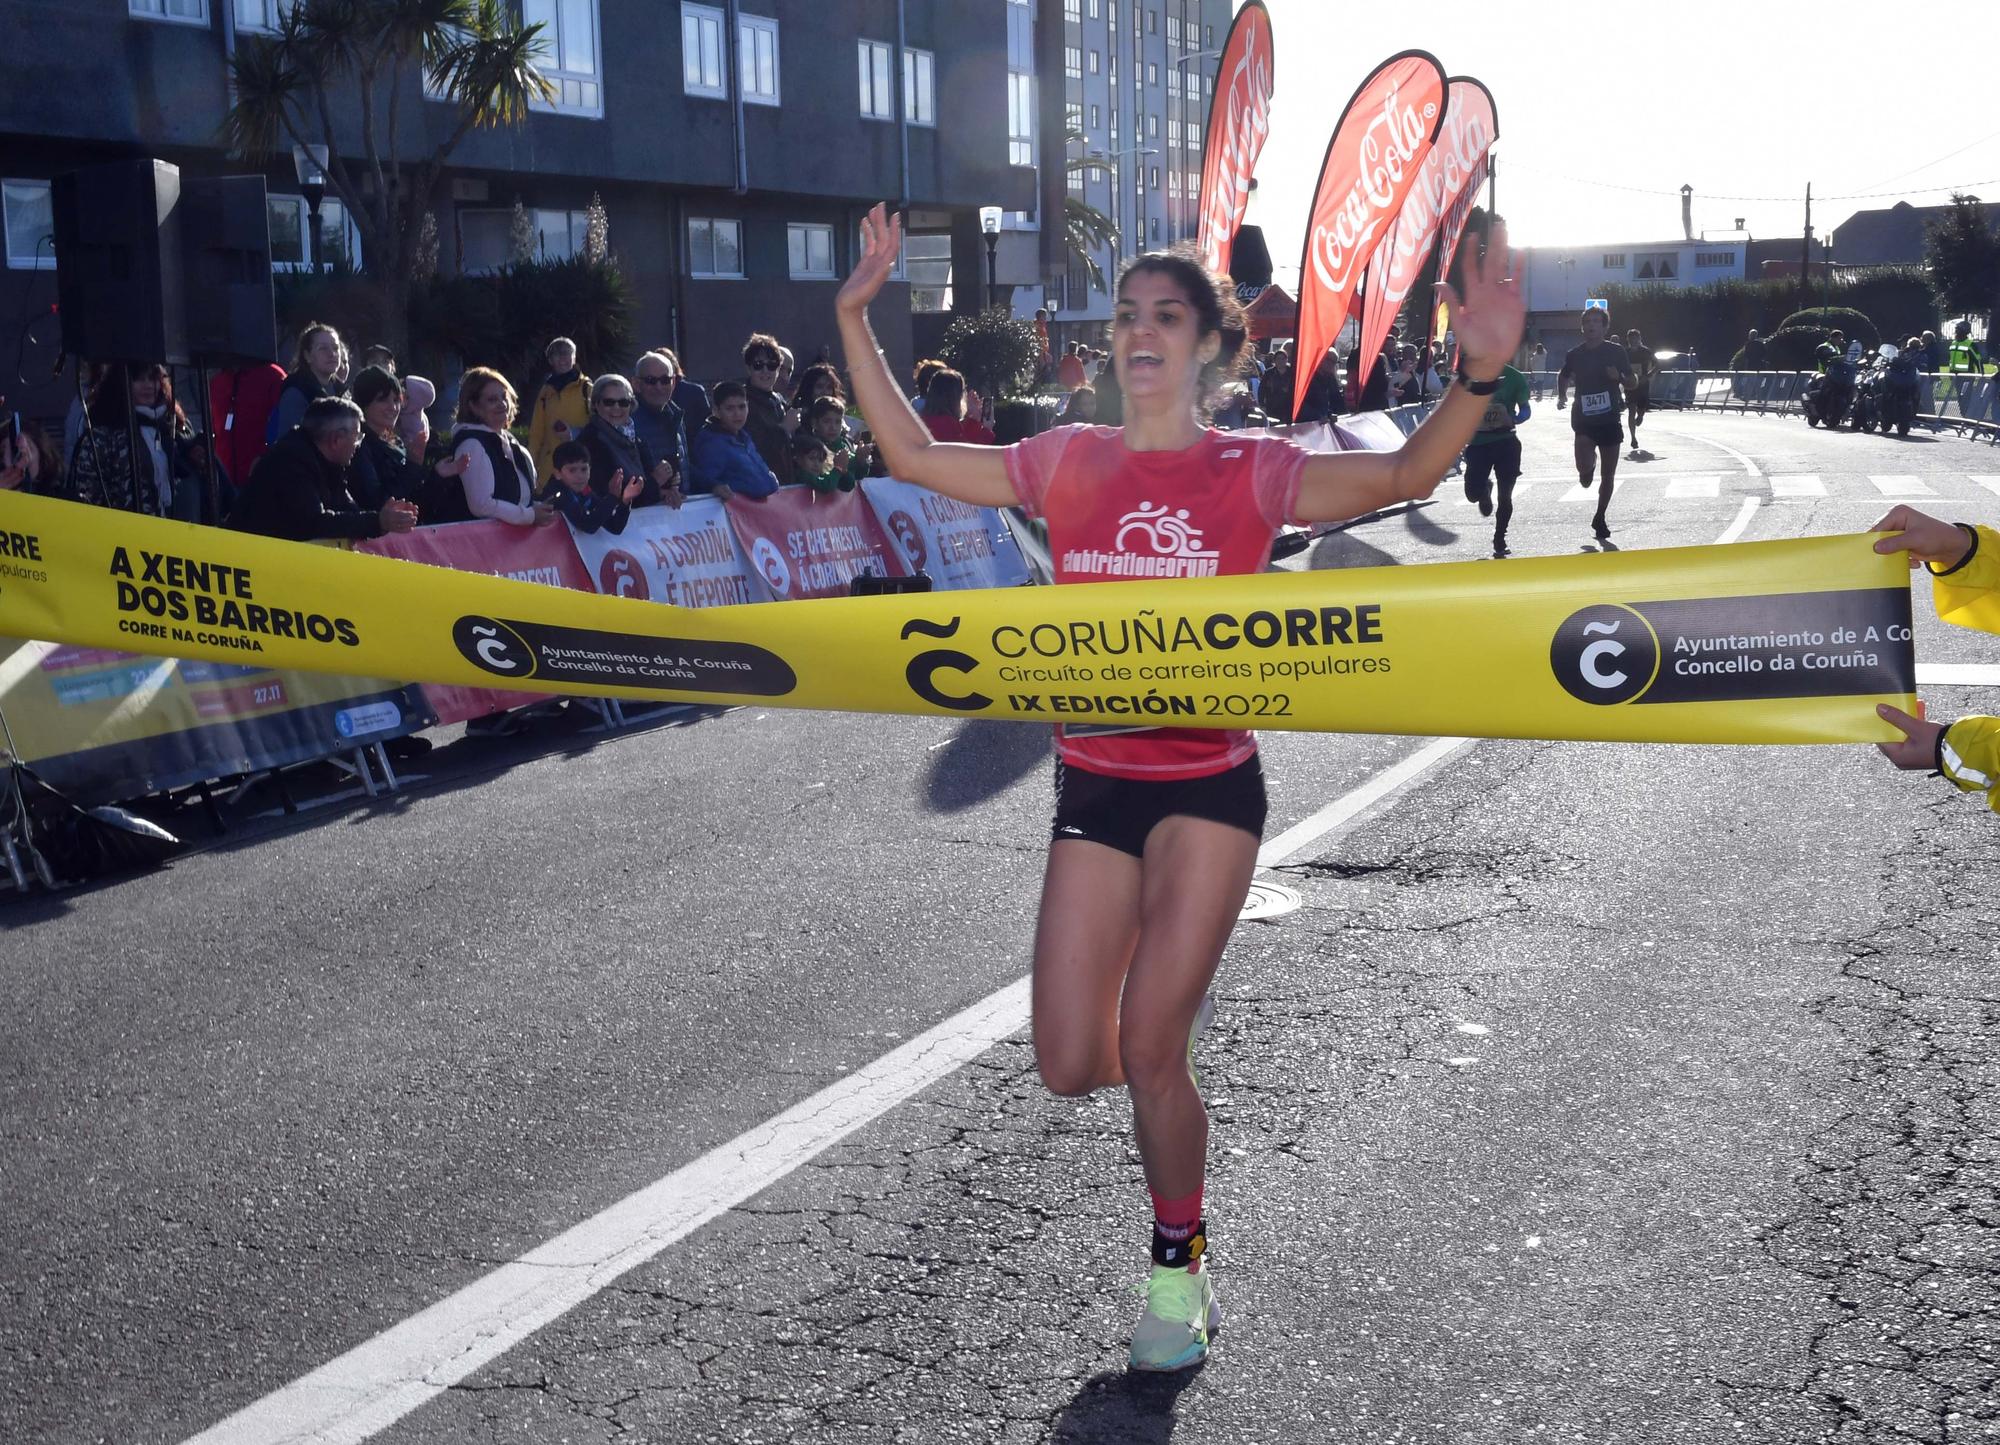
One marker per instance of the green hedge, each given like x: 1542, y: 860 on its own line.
x: 1713, y: 320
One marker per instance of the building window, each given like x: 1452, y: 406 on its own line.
x: 1020, y: 119
x: 1093, y: 8
x: 1073, y: 61
x: 1152, y: 22
x: 569, y: 56
x: 1076, y: 182
x: 1097, y: 175
x: 1658, y: 266
x: 1155, y: 170
x: 1210, y: 42
x: 715, y: 248
x: 902, y: 251
x: 1152, y: 73
x: 701, y: 52
x: 1614, y: 260
x: 1096, y: 63
x: 187, y: 12
x: 1096, y: 117
x: 31, y: 243
x: 878, y: 97
x: 919, y: 87
x: 757, y: 49
x: 811, y: 250
x: 1156, y: 228
x: 339, y: 240
x: 1715, y: 258
x: 1073, y: 114
x: 1152, y: 127
x: 262, y: 15
x: 1174, y: 31
x: 1072, y: 9
x: 486, y: 237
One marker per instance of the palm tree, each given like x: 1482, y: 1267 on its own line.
x: 359, y: 54
x: 1086, y: 230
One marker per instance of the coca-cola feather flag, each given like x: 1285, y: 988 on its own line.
x: 1447, y: 182
x: 1239, y: 122
x: 1459, y: 209
x: 1371, y: 163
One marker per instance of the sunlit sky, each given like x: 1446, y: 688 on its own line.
x: 1607, y: 108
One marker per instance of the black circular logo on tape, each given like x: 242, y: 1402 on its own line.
x: 493, y: 646
x: 1605, y: 654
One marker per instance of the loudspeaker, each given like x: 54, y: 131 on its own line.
x: 118, y: 263
x: 226, y: 249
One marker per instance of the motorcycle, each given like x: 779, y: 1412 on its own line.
x: 1866, y: 412
x: 1901, y: 380
x: 1829, y: 394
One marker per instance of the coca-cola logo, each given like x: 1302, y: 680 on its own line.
x: 1342, y: 243
x: 1446, y: 175
x: 1239, y: 140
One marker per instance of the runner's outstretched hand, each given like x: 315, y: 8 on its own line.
x: 1490, y: 315
x: 1924, y: 537
x: 1917, y: 752
x: 881, y: 240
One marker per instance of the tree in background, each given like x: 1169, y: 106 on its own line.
x: 357, y: 56
x: 1963, y: 257
x: 1086, y: 230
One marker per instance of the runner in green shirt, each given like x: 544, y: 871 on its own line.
x: 1495, y: 451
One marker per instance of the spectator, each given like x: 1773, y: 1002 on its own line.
x: 616, y: 449
x: 658, y: 417
x: 30, y: 463
x: 170, y: 471
x: 786, y: 365
x: 1238, y: 410
x: 689, y: 396
x: 562, y: 406
x: 1538, y: 362
x: 1322, y: 400
x: 813, y: 466
x: 1376, y: 390
x: 927, y: 368
x: 819, y: 379
x: 1753, y: 351
x: 498, y: 479
x: 316, y: 368
x: 1934, y: 351
x: 826, y: 419
x: 1079, y: 407
x: 587, y: 508
x: 1407, y: 381
x: 1275, y: 391
x: 771, y: 423
x: 240, y: 401
x: 414, y: 425
x: 384, y: 466
x: 378, y: 355
x: 1069, y: 370
x: 723, y: 461
x: 945, y: 411
x: 299, y: 488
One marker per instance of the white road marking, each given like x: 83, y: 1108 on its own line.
x: 1959, y: 674
x: 1801, y: 485
x: 1749, y: 467
x: 372, y: 1386
x: 1695, y: 487
x: 1992, y: 484
x: 1735, y: 528
x: 1902, y: 486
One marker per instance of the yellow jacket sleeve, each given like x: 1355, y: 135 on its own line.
x: 1969, y: 594
x: 542, y: 433
x: 1969, y: 755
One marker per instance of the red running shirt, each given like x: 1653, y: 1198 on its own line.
x: 1121, y: 516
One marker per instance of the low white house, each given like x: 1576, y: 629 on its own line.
x: 1559, y: 279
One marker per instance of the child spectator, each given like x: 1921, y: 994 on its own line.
x: 562, y: 406
x: 569, y: 492
x: 813, y: 466
x: 826, y: 419
x: 28, y: 461
x: 724, y: 461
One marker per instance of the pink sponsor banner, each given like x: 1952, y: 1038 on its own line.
x: 499, y: 549
x: 957, y: 545
x: 1451, y: 171
x: 686, y: 557
x: 1239, y: 122
x: 1370, y: 167
x: 799, y: 543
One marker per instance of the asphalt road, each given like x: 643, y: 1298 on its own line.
x: 1595, y: 1093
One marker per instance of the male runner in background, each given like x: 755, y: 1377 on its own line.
x: 1495, y: 453
x: 1640, y: 398
x: 1597, y: 369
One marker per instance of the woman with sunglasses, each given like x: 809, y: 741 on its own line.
x: 1156, y: 830
x: 615, y: 446
x: 771, y: 422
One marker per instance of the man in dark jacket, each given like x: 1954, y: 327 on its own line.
x: 298, y: 489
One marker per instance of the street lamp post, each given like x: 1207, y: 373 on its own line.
x: 309, y: 162
x: 989, y: 225
x: 1178, y: 224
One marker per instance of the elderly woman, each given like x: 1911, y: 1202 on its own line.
x: 614, y: 444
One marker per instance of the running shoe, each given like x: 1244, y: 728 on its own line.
x: 1602, y: 528
x: 1586, y: 482
x: 1181, y: 1313
x: 1500, y: 550
x: 1486, y: 504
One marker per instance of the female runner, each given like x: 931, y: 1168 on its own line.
x: 1156, y: 829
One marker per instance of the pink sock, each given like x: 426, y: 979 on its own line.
x: 1177, y: 1218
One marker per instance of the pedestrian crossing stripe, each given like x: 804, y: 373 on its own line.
x: 1992, y: 484
x: 1802, y: 484
x: 1784, y: 486
x: 1902, y: 486
x: 1694, y: 487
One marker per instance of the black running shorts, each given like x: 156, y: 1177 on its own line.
x: 1484, y: 460
x: 1604, y: 431
x: 1121, y: 812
